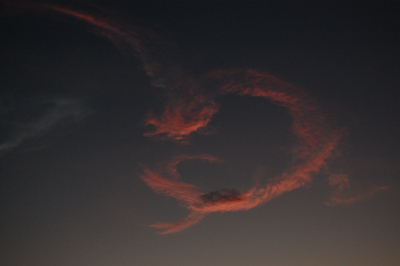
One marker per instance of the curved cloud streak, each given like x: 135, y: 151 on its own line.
x: 316, y: 143
x: 345, y: 193
x: 189, y: 109
x: 157, y: 56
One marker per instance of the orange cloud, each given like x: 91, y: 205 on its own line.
x: 89, y: 19
x: 178, y: 122
x: 316, y: 143
x: 187, y: 194
x: 186, y: 112
x: 340, y: 198
x: 172, y: 172
x: 140, y: 42
x: 340, y: 181
x: 346, y: 193
x: 192, y: 111
x: 202, y: 204
x: 189, y: 109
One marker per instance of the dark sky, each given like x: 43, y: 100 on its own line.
x: 199, y: 133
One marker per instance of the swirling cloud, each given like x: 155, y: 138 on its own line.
x: 316, y: 143
x: 189, y: 109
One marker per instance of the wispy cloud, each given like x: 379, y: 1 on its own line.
x: 157, y: 56
x: 56, y: 111
x: 190, y: 106
x: 317, y: 141
x: 345, y: 192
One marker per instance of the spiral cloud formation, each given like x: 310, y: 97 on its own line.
x: 190, y: 108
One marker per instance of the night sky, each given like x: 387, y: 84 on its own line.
x: 196, y: 133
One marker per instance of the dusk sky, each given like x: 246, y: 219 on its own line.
x: 191, y: 133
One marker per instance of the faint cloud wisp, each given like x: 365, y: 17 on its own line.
x: 57, y: 111
x: 190, y: 106
x: 346, y: 193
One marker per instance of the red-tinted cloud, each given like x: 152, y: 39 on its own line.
x: 189, y: 110
x: 187, y: 194
x: 340, y: 181
x: 90, y: 19
x: 346, y: 193
x: 140, y: 42
x: 316, y: 143
x: 178, y: 121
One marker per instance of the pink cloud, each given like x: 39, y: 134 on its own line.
x: 316, y: 143
x: 346, y: 192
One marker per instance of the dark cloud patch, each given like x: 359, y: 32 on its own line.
x: 222, y: 195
